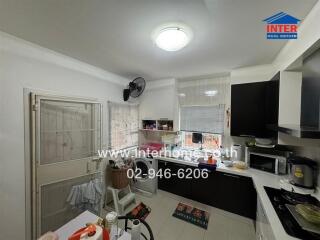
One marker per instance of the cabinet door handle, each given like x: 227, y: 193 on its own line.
x: 98, y: 160
x: 230, y: 175
x: 88, y: 167
x: 180, y: 165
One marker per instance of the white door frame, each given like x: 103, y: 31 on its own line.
x: 30, y: 151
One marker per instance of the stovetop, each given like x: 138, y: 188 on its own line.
x: 280, y: 197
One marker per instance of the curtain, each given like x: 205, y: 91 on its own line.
x: 202, y: 119
x: 203, y: 104
x: 123, y: 125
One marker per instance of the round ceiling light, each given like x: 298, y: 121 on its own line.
x: 211, y: 93
x: 172, y: 38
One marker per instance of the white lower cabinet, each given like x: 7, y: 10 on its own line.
x: 263, y: 227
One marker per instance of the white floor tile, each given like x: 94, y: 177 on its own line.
x: 192, y: 232
x: 171, y: 229
x: 222, y: 225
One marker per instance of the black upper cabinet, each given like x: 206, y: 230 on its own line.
x: 247, y: 113
x: 254, y: 109
x: 310, y: 94
x: 272, y: 107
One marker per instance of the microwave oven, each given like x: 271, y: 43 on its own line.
x: 267, y: 161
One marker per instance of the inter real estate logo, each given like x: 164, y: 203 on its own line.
x: 282, y: 26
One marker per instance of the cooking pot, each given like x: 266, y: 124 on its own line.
x: 302, y: 171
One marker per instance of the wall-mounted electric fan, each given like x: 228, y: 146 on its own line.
x: 134, y: 89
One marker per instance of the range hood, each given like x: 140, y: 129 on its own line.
x: 309, y: 126
x: 300, y: 131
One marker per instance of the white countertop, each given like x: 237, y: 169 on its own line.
x: 79, y: 222
x: 260, y: 179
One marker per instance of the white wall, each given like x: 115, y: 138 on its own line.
x: 252, y: 74
x: 308, y: 34
x: 24, y: 65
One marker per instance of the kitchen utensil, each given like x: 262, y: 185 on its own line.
x: 309, y: 212
x: 228, y: 163
x: 91, y: 232
x: 264, y: 146
x: 225, y: 158
x: 240, y: 164
x: 135, y: 230
x: 197, y: 137
x: 263, y: 141
x: 112, y: 225
x: 236, y: 152
x: 302, y: 171
x: 304, y: 224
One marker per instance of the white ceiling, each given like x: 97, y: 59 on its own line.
x: 115, y: 34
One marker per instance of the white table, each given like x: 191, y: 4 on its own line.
x: 79, y: 222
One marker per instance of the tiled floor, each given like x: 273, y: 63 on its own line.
x: 222, y: 225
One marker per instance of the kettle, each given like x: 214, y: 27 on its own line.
x: 302, y: 171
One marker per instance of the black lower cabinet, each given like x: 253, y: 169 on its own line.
x: 175, y: 185
x: 235, y: 194
x: 230, y: 192
x: 204, y: 190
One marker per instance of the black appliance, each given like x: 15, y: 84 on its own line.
x: 254, y: 109
x: 197, y: 138
x: 280, y: 197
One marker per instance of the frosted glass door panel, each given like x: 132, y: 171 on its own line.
x: 55, y: 210
x: 68, y: 131
x: 66, y: 139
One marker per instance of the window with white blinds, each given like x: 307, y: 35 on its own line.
x: 202, y: 118
x: 123, y: 125
x: 203, y: 103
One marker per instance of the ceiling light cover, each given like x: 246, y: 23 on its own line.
x: 172, y: 38
x: 211, y: 93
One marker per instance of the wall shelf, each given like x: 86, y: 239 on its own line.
x: 165, y: 125
x: 157, y: 130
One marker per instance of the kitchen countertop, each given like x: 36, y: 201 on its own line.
x: 79, y: 222
x: 260, y: 179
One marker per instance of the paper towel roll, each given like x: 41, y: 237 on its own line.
x: 136, y: 230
